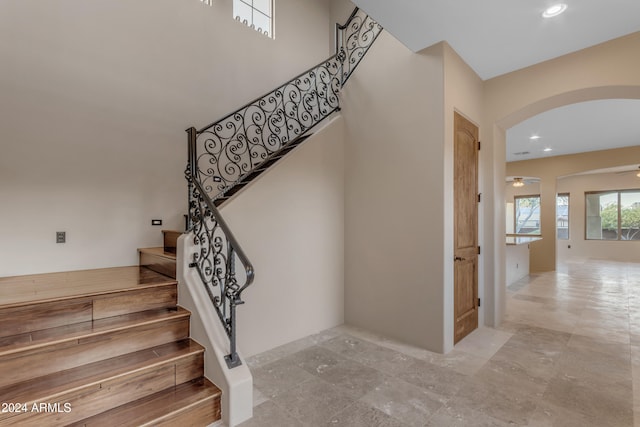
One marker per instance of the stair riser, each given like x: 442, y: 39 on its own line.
x: 18, y: 320
x: 135, y: 301
x: 158, y: 264
x: 92, y: 399
x: 35, y: 317
x: 33, y: 363
x: 170, y: 240
x: 208, y: 409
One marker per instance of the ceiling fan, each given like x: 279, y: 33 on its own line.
x: 520, y: 181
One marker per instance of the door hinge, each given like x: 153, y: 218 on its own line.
x: 479, y: 197
x: 478, y: 250
x: 478, y: 302
x: 478, y: 145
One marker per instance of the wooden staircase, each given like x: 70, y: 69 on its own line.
x: 162, y: 259
x: 100, y: 347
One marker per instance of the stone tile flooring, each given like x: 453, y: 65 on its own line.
x: 568, y: 354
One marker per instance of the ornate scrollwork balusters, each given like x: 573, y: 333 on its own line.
x: 354, y: 40
x: 226, y: 152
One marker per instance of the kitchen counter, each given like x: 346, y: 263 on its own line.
x: 517, y: 256
x: 521, y: 240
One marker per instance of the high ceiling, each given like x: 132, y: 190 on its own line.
x: 576, y: 128
x: 499, y: 36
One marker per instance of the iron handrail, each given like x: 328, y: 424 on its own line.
x: 258, y: 99
x: 233, y: 242
x: 240, y: 142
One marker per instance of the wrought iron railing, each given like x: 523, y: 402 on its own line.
x: 224, y: 153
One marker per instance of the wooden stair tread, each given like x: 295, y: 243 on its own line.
x: 78, y: 331
x: 158, y: 252
x: 23, y: 290
x: 46, y: 388
x: 162, y: 407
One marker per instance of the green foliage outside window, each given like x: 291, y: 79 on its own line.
x: 620, y: 220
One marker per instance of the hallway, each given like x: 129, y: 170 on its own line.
x: 568, y: 354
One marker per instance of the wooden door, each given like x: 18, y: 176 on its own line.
x: 465, y: 263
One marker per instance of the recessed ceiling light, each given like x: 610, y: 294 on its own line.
x: 547, y: 149
x: 554, y: 10
x: 534, y: 137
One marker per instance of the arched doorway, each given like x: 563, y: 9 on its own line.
x: 586, y: 136
x: 547, y: 186
x: 606, y: 71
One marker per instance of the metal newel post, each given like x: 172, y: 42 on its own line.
x: 232, y: 359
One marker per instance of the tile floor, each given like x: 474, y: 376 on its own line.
x: 568, y: 354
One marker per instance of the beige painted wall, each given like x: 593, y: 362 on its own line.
x: 462, y: 93
x: 394, y: 134
x: 398, y: 112
x: 609, y: 70
x: 551, y: 168
x: 528, y: 189
x: 290, y: 223
x: 95, y: 99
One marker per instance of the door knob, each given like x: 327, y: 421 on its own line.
x: 459, y: 258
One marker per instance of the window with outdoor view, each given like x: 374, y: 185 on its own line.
x: 527, y: 214
x: 562, y: 216
x: 613, y: 215
x: 257, y: 14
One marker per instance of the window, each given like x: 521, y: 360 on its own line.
x: 257, y: 14
x: 562, y: 216
x: 613, y: 215
x: 527, y: 214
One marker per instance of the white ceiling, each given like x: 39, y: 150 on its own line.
x: 576, y: 128
x: 499, y: 36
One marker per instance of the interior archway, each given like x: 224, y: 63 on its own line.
x: 548, y: 186
x: 595, y: 127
